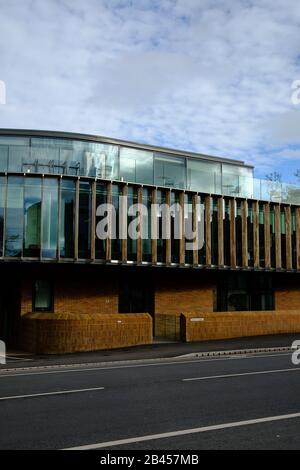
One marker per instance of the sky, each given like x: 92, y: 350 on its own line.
x: 209, y: 76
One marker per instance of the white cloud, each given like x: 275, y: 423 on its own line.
x: 212, y: 76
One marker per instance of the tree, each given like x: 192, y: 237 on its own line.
x: 297, y: 174
x: 275, y: 177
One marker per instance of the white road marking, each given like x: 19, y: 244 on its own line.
x: 61, y: 392
x: 184, y: 432
x: 7, y: 374
x: 210, y: 377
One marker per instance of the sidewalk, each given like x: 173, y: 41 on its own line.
x: 160, y: 349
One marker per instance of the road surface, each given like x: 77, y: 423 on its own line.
x: 244, y: 402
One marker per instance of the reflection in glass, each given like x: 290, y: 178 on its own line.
x: 85, y: 209
x: 14, y: 217
x: 169, y: 171
x: 43, y: 296
x: 136, y: 165
x: 283, y: 237
x: 226, y: 225
x: 32, y: 217
x: 49, y: 218
x: 116, y: 242
x: 132, y: 199
x: 188, y: 220
x: 101, y: 196
x: 239, y: 234
x: 261, y: 220
x: 214, y: 232
x: 250, y: 234
x: 2, y: 210
x: 146, y: 226
x: 161, y: 242
x: 204, y: 176
x: 67, y: 218
x: 175, y: 223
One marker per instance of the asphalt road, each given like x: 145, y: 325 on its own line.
x: 248, y: 402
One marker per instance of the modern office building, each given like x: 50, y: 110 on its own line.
x: 64, y: 289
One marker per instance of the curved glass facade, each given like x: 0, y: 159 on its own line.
x: 40, y: 154
x: 75, y: 157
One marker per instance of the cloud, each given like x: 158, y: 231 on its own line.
x: 211, y: 76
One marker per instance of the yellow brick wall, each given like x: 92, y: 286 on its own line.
x: 239, y: 324
x: 44, y: 333
x: 77, y: 296
x: 178, y: 298
x: 287, y: 298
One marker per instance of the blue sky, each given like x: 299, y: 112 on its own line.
x: 205, y: 75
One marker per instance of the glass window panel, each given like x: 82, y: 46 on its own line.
x: 250, y: 235
x: 175, y: 223
x: 226, y: 224
x: 44, y: 159
x: 136, y: 165
x: 188, y: 219
x: 239, y: 234
x: 16, y: 156
x: 14, y: 217
x: 43, y: 296
x: 101, y: 198
x: 261, y: 219
x: 32, y: 217
x: 3, y: 157
x: 146, y: 226
x: 132, y: 199
x: 169, y: 171
x: 2, y: 210
x: 204, y: 176
x: 161, y: 241
x: 85, y: 208
x: 116, y: 242
x: 67, y: 218
x: 214, y: 232
x: 49, y: 218
x: 283, y: 237
x: 272, y: 236
x: 237, y: 180
x: 202, y: 233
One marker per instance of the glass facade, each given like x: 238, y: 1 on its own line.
x: 50, y: 218
x: 67, y: 218
x: 78, y: 157
x: 54, y: 217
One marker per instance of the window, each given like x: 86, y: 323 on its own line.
x: 245, y: 292
x: 14, y: 217
x: 169, y: 171
x: 42, y: 296
x: 204, y: 176
x: 136, y: 165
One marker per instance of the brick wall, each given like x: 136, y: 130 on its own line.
x: 287, y: 298
x: 210, y: 326
x: 44, y: 333
x: 182, y: 296
x: 98, y: 295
